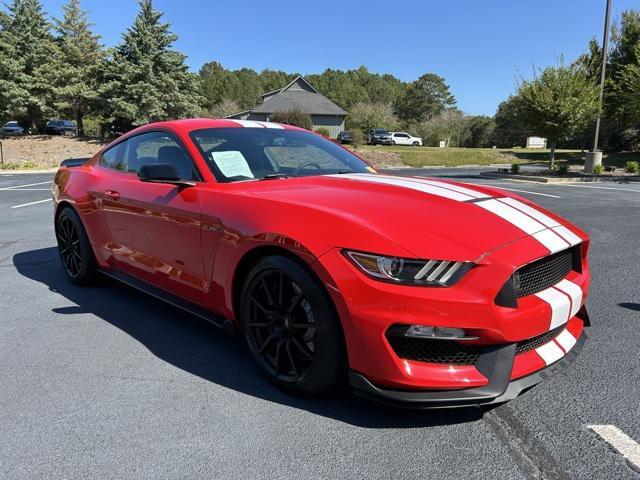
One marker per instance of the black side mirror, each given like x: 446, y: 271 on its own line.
x: 162, y: 173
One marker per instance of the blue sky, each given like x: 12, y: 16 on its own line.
x: 479, y: 47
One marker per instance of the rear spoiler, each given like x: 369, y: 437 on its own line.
x: 74, y: 162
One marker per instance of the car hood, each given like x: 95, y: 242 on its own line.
x: 429, y: 218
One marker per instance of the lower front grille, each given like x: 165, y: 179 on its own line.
x: 450, y: 352
x: 535, y: 342
x: 434, y: 351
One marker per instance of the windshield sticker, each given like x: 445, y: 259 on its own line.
x: 232, y: 164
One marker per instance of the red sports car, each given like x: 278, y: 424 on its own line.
x: 418, y: 292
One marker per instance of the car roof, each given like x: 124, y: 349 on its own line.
x: 190, y: 124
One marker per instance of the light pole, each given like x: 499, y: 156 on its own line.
x: 594, y: 157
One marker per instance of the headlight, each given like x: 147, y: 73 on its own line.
x: 409, y: 271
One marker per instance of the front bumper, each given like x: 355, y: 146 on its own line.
x: 496, y: 364
x: 382, y: 141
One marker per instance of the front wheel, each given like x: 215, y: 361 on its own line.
x: 415, y: 144
x: 291, y: 327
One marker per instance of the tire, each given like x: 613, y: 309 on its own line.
x: 74, y: 248
x: 393, y: 143
x: 291, y: 327
x: 415, y: 144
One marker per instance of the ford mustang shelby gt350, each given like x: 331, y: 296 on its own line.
x: 416, y: 291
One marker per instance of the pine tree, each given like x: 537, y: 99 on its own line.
x: 74, y: 70
x: 26, y: 45
x: 146, y: 80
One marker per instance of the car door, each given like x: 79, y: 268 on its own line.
x: 155, y: 228
x: 404, y: 139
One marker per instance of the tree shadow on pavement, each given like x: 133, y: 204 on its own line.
x: 201, y: 349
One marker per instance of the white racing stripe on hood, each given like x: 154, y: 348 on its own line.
x: 568, y: 235
x: 549, y: 239
x: 448, y: 186
x: 405, y: 183
x: 553, y: 236
x: 513, y: 216
x: 532, y: 212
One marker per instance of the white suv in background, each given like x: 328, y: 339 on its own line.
x: 403, y: 138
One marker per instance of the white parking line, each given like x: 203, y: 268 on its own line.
x: 31, y: 203
x: 622, y: 442
x: 516, y: 190
x: 26, y: 185
x: 601, y: 188
x: 28, y: 190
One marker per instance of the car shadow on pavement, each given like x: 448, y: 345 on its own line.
x: 203, y: 350
x: 631, y: 306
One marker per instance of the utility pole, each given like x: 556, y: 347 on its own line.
x: 594, y: 157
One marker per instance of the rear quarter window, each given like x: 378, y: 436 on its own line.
x: 112, y: 158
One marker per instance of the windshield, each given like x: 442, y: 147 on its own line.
x: 235, y: 154
x: 11, y: 124
x: 380, y: 131
x: 54, y: 123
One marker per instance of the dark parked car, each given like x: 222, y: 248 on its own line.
x: 12, y: 128
x: 379, y: 136
x: 61, y: 127
x: 345, y: 137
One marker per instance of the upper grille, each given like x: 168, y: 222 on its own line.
x: 543, y: 273
x: 535, y: 342
x: 434, y: 351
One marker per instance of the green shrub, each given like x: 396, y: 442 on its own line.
x: 323, y: 131
x: 632, y: 167
x: 515, y: 168
x: 597, y: 169
x: 296, y: 118
x: 357, y: 137
x: 562, y: 168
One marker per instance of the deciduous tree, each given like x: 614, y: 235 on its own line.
x: 558, y: 103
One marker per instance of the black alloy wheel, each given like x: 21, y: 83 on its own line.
x: 74, y: 248
x: 291, y: 327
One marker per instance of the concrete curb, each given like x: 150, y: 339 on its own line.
x: 22, y: 171
x: 541, y: 179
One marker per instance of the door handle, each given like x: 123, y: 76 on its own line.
x: 112, y: 194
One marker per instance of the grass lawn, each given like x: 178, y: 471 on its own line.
x: 433, y: 156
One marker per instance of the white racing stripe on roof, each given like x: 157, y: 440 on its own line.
x: 401, y: 182
x: 574, y: 291
x: 248, y: 123
x: 559, y: 303
x: 550, y: 352
x: 532, y: 212
x: 271, y: 125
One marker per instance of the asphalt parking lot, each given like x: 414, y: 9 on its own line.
x: 104, y: 382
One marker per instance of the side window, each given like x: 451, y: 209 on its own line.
x: 158, y: 147
x: 112, y: 158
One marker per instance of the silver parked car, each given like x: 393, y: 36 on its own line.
x: 12, y: 128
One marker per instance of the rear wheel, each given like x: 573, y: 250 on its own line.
x: 415, y: 144
x: 74, y: 248
x: 291, y: 327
